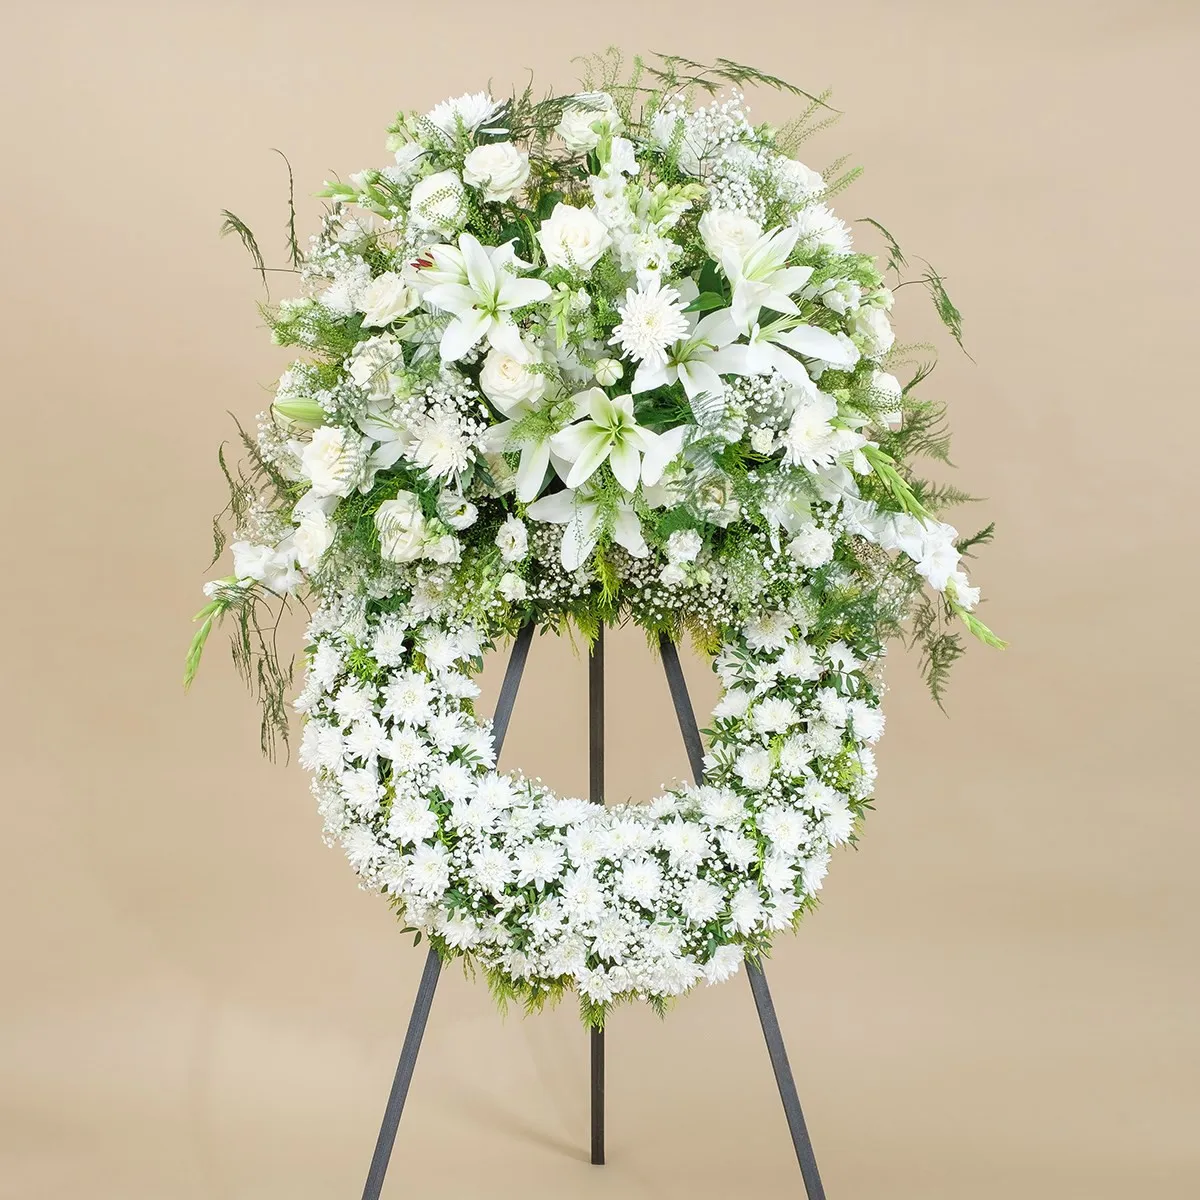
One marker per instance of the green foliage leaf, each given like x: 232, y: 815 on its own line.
x: 232, y: 223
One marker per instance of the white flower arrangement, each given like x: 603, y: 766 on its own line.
x: 601, y: 357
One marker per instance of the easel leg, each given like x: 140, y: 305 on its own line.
x: 404, y: 1074
x: 433, y: 964
x: 786, y: 1083
x: 686, y: 716
x: 596, y: 795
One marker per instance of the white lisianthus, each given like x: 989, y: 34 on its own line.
x: 573, y: 238
x: 509, y: 381
x: 724, y: 229
x: 388, y: 298
x: 875, y: 329
x: 812, y: 546
x: 456, y: 510
x: 512, y: 587
x: 408, y: 161
x: 581, y: 124
x: 444, y: 549
x: 512, y: 539
x: 438, y: 203
x: 401, y: 526
x: 499, y: 169
x: 684, y: 545
x: 332, y: 461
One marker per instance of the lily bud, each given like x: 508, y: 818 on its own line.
x: 301, y: 411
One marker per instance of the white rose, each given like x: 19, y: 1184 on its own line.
x: 573, y: 238
x: 507, y: 381
x: 762, y: 439
x: 331, y: 461
x: 683, y: 545
x: 313, y: 536
x: 513, y: 540
x: 457, y: 511
x: 812, y: 546
x: 580, y: 125
x: 672, y: 575
x: 388, y: 297
x: 438, y: 202
x: 408, y: 161
x: 401, y: 526
x: 445, y: 549
x: 873, y: 324
x: 512, y: 587
x: 724, y: 229
x: 499, y: 169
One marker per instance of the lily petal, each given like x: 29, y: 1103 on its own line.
x: 463, y: 333
x: 556, y: 509
x: 593, y: 454
x: 817, y: 343
x: 535, y: 457
x: 517, y: 293
x: 651, y: 375
x: 663, y: 451
x: 480, y: 272
x: 626, y: 465
x: 627, y: 532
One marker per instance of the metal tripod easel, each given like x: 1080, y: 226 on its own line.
x: 758, y: 981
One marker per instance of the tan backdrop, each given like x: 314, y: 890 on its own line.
x: 999, y: 997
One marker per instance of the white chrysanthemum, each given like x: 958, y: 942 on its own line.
x: 539, y: 863
x: 700, y: 901
x: 818, y: 226
x: 652, y: 319
x: 640, y: 880
x: 775, y: 714
x: 406, y: 699
x: 471, y: 110
x: 493, y: 869
x: 411, y: 821
x: 746, y: 908
x: 771, y: 631
x: 407, y: 750
x: 429, y: 871
x: 441, y: 446
x: 724, y: 964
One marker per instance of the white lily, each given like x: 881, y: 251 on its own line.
x: 767, y: 346
x: 698, y: 360
x: 532, y: 440
x: 610, y: 432
x: 483, y: 305
x: 584, y: 518
x: 761, y: 278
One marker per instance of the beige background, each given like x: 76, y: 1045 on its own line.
x: 1000, y: 995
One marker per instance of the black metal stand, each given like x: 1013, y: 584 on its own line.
x: 758, y: 981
